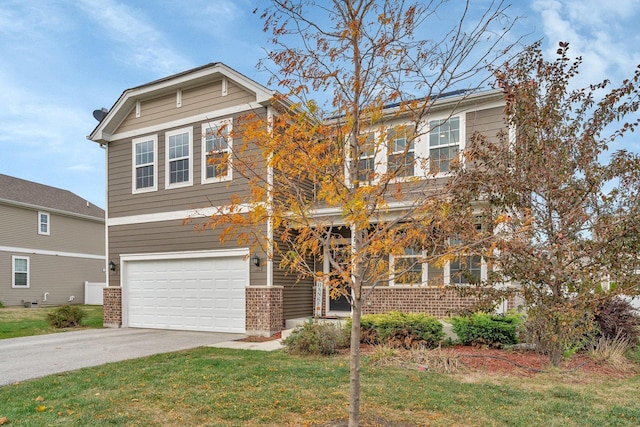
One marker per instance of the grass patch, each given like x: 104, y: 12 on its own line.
x: 221, y: 387
x: 21, y: 322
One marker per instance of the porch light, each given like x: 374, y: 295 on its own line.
x: 255, y: 260
x: 112, y: 266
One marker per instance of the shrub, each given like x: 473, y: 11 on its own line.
x: 1, y: 304
x: 493, y: 330
x: 401, y: 330
x: 315, y: 338
x: 67, y: 316
x: 617, y: 318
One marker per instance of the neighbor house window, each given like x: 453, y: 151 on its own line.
x: 401, y: 152
x: 20, y: 272
x: 43, y: 223
x: 444, y: 143
x: 216, y: 151
x: 178, y: 168
x: 145, y: 159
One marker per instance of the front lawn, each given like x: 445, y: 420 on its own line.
x: 219, y: 387
x: 22, y: 322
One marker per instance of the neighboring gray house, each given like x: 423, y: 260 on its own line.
x: 51, y: 243
x: 158, y: 137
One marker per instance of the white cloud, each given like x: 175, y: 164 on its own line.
x: 596, y: 30
x: 139, y: 42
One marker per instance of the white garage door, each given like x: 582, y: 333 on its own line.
x: 205, y: 294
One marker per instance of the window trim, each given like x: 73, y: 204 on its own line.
x: 167, y: 161
x: 407, y: 128
x: 134, y: 142
x: 47, y: 232
x: 426, y: 147
x: 13, y: 272
x: 212, y: 125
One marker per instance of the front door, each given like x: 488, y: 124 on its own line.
x: 339, y: 306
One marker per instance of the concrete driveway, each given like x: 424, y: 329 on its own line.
x: 33, y: 357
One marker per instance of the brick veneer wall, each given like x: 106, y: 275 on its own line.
x: 264, y: 308
x: 438, y: 302
x: 112, y: 304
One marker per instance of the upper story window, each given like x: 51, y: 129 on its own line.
x: 20, y: 272
x: 44, y: 223
x: 178, y: 169
x: 401, y: 152
x: 444, y: 143
x: 366, y: 158
x: 216, y: 151
x: 145, y: 159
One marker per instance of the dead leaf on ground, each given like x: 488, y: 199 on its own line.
x: 3, y: 420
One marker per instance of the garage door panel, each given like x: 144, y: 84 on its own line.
x: 206, y: 294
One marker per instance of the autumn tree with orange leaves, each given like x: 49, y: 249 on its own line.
x: 574, y: 195
x: 313, y: 166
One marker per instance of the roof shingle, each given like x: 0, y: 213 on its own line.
x: 43, y: 196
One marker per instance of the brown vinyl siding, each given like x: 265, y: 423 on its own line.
x: 199, y: 100
x: 169, y: 236
x: 488, y: 122
x: 122, y: 202
x: 60, y: 276
x: 298, y: 293
x: 19, y: 228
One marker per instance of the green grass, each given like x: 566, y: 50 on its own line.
x: 218, y: 387
x: 22, y: 322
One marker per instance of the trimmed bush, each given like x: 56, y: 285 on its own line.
x: 315, y: 338
x: 67, y: 316
x: 493, y: 330
x: 617, y: 319
x: 401, y: 330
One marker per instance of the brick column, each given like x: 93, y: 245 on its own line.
x: 264, y: 305
x: 112, y: 304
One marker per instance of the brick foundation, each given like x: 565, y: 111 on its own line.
x: 264, y: 306
x: 112, y: 304
x: 438, y: 302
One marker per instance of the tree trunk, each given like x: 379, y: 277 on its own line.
x: 354, y: 365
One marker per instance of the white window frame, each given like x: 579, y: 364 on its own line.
x: 46, y: 232
x: 423, y: 268
x: 407, y: 127
x: 13, y: 272
x: 134, y: 167
x: 228, y: 123
x: 425, y: 149
x: 189, y: 157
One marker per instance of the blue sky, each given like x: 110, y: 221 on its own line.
x: 60, y: 60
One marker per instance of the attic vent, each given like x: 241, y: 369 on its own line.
x: 137, y: 108
x: 179, y: 98
x: 224, y: 86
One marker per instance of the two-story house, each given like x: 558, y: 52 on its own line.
x: 51, y: 242
x: 158, y: 139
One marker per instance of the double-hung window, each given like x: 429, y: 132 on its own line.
x: 366, y: 158
x: 401, y: 152
x: 444, y: 143
x: 44, y: 223
x: 466, y: 268
x: 216, y: 149
x: 178, y: 170
x: 20, y: 273
x: 407, y: 268
x: 145, y: 158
